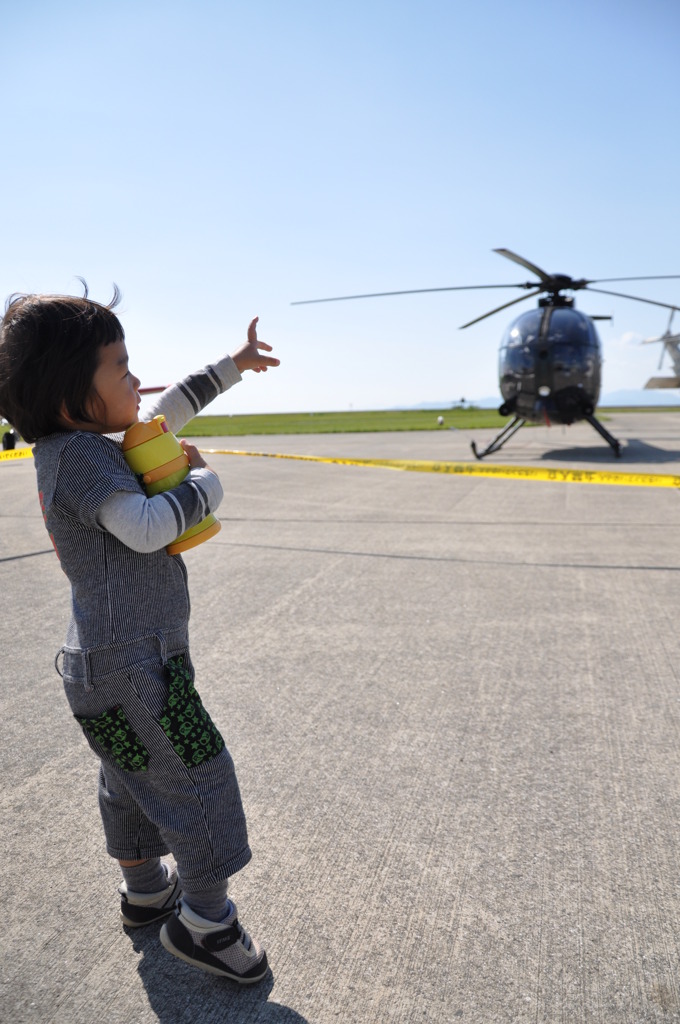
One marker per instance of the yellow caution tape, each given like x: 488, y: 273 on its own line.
x: 16, y: 453
x: 485, y: 469
x: 576, y: 476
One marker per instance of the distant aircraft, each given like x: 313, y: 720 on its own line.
x: 669, y: 343
x: 550, y: 359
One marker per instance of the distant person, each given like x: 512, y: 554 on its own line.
x: 167, y: 783
x: 9, y: 440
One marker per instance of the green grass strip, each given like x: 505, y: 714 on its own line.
x: 341, y: 422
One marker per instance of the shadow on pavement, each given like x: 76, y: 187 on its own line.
x: 181, y: 994
x: 633, y: 451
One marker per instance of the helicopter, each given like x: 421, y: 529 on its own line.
x: 550, y: 359
x: 669, y: 343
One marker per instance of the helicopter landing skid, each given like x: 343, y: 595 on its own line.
x: 517, y: 422
x: 498, y: 442
x: 616, y: 445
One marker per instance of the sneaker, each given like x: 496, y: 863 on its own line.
x: 221, y: 947
x: 140, y: 908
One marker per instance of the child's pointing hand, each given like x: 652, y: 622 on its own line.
x: 249, y: 356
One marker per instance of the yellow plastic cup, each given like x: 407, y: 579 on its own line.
x: 154, y: 454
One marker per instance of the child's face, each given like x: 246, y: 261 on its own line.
x: 115, y: 402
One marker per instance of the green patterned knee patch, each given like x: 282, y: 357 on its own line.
x: 185, y: 721
x: 112, y: 731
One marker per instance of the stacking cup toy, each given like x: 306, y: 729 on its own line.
x: 155, y: 455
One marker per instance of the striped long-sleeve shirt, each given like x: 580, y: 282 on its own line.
x: 146, y: 525
x: 111, y: 538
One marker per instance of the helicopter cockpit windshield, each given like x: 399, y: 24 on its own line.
x: 576, y: 354
x: 549, y: 364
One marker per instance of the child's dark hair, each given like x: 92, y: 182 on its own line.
x: 49, y: 351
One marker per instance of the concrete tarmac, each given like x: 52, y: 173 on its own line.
x: 454, y: 707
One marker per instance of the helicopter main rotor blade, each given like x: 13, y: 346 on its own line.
x: 551, y: 279
x: 412, y: 291
x: 499, y: 308
x: 635, y: 298
x: 655, y: 277
x: 545, y: 278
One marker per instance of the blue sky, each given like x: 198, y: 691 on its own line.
x: 221, y: 160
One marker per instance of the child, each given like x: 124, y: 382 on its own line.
x: 166, y: 781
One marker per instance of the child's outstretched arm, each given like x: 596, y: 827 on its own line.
x: 183, y: 401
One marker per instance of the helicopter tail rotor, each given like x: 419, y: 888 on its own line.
x: 663, y: 338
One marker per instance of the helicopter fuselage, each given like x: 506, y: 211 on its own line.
x: 550, y: 364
